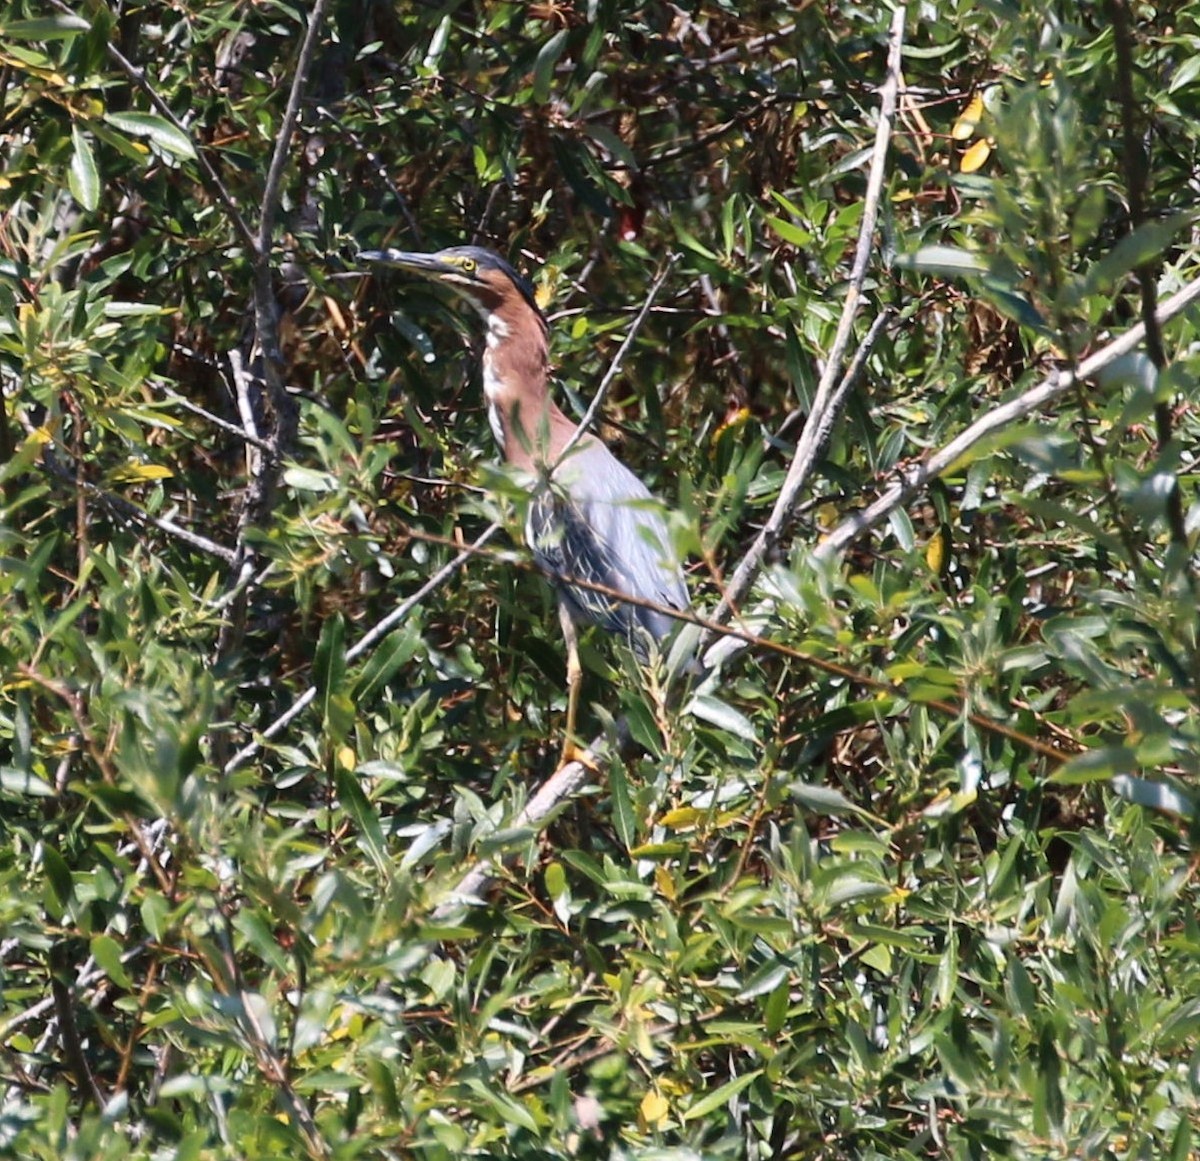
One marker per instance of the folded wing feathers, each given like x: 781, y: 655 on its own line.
x: 609, y: 531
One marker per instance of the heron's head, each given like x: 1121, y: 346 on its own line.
x: 484, y: 279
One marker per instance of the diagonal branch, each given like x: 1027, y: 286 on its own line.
x: 282, y: 419
x: 830, y: 397
x: 1046, y: 392
x: 270, y: 199
x: 367, y: 641
x: 614, y: 367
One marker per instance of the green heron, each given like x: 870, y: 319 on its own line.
x: 589, y: 517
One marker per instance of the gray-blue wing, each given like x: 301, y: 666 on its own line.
x: 597, y: 522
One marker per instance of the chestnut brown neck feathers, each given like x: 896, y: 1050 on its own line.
x: 527, y: 423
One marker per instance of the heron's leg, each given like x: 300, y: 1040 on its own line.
x: 574, y: 679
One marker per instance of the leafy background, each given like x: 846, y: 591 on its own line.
x: 917, y: 878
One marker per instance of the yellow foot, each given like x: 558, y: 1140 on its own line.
x: 573, y: 753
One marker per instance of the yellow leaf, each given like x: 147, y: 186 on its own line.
x: 936, y: 550
x: 968, y: 119
x: 653, y: 1110
x: 134, y: 473
x: 543, y: 294
x: 735, y: 419
x: 346, y: 758
x: 683, y: 817
x: 665, y: 882
x: 974, y: 157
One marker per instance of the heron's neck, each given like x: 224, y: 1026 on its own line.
x: 527, y: 424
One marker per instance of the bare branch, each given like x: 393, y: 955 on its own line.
x: 282, y: 419
x: 1050, y: 389
x: 209, y: 417
x: 562, y: 785
x: 614, y: 367
x: 270, y: 198
x: 369, y: 639
x: 829, y: 399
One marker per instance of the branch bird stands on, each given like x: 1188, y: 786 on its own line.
x: 589, y: 517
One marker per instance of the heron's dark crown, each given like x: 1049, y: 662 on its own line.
x: 479, y: 275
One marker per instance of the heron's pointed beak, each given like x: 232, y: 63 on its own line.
x: 428, y: 264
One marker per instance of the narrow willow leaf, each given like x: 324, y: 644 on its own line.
x: 622, y: 807
x: 83, y: 177
x: 44, y: 28
x: 156, y: 129
x: 719, y: 1096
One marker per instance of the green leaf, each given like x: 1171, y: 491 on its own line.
x: 309, y: 480
x: 776, y: 1007
x: 329, y: 664
x: 796, y: 235
x: 107, y: 952
x: 823, y: 799
x: 622, y: 806
x: 509, y: 1110
x: 717, y: 713
x: 83, y: 177
x: 394, y: 651
x: 154, y: 911
x: 44, y: 28
x: 1096, y: 765
x: 24, y: 782
x: 156, y: 129
x: 1144, y: 245
x: 58, y: 874
x: 359, y: 808
x: 720, y: 1096
x: 949, y: 261
x: 543, y: 69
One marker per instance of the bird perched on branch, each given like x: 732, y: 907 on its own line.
x: 590, y: 519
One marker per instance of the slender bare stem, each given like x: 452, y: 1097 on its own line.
x: 367, y: 641
x: 828, y: 400
x: 1046, y: 392
x: 270, y: 199
x: 614, y: 367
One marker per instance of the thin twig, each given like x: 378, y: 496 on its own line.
x: 1046, y: 392
x: 368, y: 640
x: 130, y: 511
x: 824, y: 411
x: 381, y: 171
x: 615, y: 366
x: 209, y: 417
x: 270, y: 199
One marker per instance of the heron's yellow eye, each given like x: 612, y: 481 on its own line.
x: 467, y: 264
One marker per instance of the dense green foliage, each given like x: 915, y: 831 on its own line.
x: 920, y: 882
